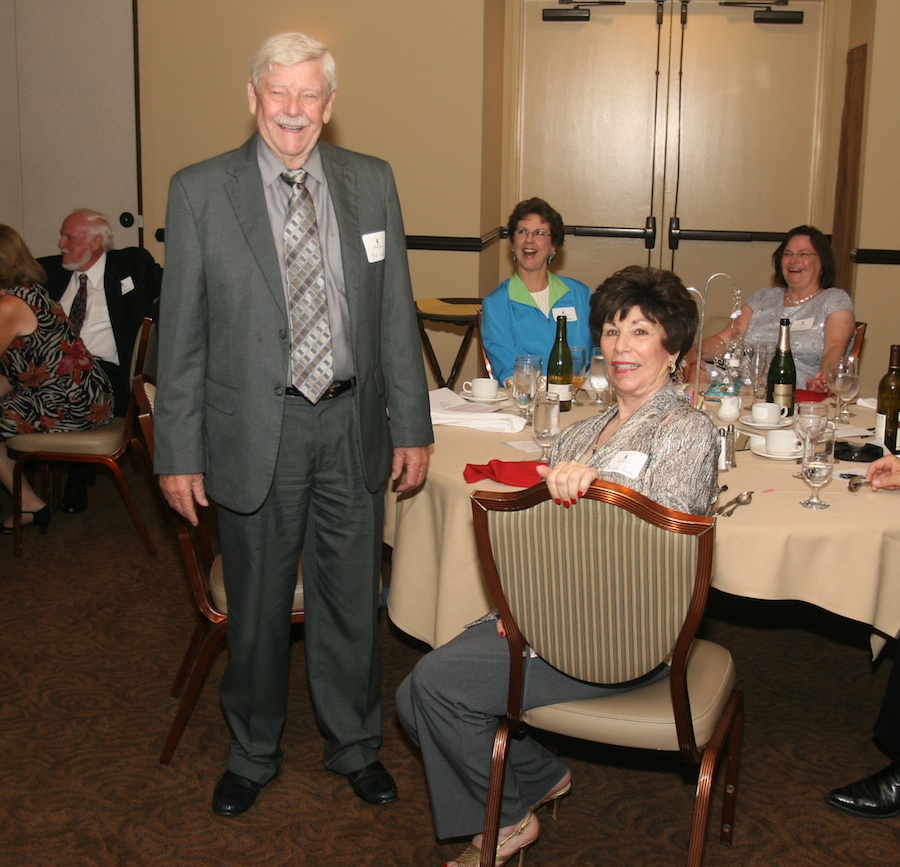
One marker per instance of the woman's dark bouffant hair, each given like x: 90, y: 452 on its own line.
x: 822, y: 247
x: 660, y: 296
x: 541, y: 209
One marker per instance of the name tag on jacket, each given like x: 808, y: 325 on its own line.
x: 374, y: 244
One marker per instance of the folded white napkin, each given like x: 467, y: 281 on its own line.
x: 868, y: 402
x: 450, y: 408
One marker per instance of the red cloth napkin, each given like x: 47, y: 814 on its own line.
x: 801, y: 394
x: 520, y: 474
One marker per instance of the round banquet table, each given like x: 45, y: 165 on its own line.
x: 845, y: 559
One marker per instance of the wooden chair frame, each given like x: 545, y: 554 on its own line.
x: 727, y: 734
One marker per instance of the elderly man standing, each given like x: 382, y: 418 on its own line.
x: 291, y: 385
x: 106, y: 293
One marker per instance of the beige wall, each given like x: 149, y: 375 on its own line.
x: 879, y: 218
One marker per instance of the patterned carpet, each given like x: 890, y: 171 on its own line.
x: 92, y: 630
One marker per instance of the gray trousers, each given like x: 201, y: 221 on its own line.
x: 450, y: 705
x: 319, y: 504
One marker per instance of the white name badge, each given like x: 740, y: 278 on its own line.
x: 803, y: 324
x: 127, y: 285
x: 374, y: 244
x: 568, y: 312
x: 628, y: 464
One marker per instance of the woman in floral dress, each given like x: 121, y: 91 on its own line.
x: 48, y: 380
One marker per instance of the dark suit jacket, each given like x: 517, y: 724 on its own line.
x: 126, y: 309
x: 224, y: 332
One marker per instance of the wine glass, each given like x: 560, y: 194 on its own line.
x: 597, y: 378
x: 579, y: 371
x: 818, y: 463
x: 808, y: 416
x: 843, y: 382
x: 526, y: 370
x: 760, y: 358
x: 545, y: 424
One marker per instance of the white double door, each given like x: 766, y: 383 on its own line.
x: 686, y: 133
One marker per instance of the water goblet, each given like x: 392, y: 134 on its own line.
x: 526, y: 372
x: 597, y: 378
x: 842, y: 376
x: 579, y: 371
x: 809, y: 415
x: 545, y: 423
x: 818, y: 463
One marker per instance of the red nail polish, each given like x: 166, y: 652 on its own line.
x: 503, y: 635
x: 558, y: 502
x: 567, y: 504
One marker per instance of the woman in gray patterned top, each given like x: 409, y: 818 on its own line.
x: 650, y: 441
x: 822, y: 319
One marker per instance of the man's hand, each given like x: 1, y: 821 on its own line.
x: 182, y: 492
x: 567, y: 481
x: 884, y: 473
x: 410, y: 465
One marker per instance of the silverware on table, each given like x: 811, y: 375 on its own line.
x: 742, y: 499
x: 856, y: 483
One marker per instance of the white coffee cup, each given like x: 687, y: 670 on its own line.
x: 768, y: 413
x: 756, y: 441
x: 782, y: 442
x: 483, y: 388
x: 729, y: 407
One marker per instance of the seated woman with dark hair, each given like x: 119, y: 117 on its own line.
x: 822, y: 319
x: 651, y: 441
x: 519, y: 316
x: 48, y: 380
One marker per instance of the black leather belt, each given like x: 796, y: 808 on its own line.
x: 334, y: 390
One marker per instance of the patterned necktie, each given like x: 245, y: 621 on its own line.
x: 79, y: 305
x: 312, y: 364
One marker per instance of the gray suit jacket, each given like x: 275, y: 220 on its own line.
x: 224, y: 332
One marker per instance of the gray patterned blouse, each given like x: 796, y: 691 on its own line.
x: 667, y: 451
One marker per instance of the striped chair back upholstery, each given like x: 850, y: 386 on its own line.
x: 597, y: 591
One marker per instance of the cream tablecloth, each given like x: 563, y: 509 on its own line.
x: 845, y: 559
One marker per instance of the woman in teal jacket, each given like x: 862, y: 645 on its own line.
x: 519, y: 316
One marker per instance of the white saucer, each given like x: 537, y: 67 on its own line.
x: 501, y: 396
x: 761, y: 451
x: 748, y: 420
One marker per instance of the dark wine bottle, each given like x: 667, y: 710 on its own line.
x: 782, y: 379
x: 888, y: 407
x: 559, y: 369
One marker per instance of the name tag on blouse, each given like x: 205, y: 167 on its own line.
x: 628, y: 464
x: 568, y: 312
x: 802, y: 324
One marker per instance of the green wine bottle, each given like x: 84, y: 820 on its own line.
x: 782, y: 379
x: 559, y: 369
x: 888, y: 406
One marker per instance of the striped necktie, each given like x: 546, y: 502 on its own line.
x: 312, y: 363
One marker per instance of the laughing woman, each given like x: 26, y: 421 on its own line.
x: 519, y: 316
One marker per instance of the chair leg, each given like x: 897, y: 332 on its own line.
x: 190, y: 655
x: 131, y: 505
x: 732, y: 767
x: 213, y: 644
x: 728, y: 730
x: 17, y: 507
x: 495, y: 795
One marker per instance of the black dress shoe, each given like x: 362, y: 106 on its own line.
x: 373, y: 784
x: 876, y: 797
x: 74, y: 499
x: 234, y: 794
